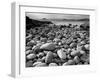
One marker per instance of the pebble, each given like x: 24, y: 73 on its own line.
x: 28, y: 52
x: 82, y: 52
x: 84, y: 57
x: 57, y: 40
x: 43, y: 39
x: 76, y: 59
x: 61, y: 54
x: 35, y: 63
x: 41, y: 65
x: 82, y: 43
x: 87, y: 46
x: 31, y: 56
x: 73, y: 45
x: 53, y: 64
x: 41, y: 54
x: 74, y: 53
x: 48, y: 46
x: 27, y: 48
x: 49, y: 57
x: 37, y: 49
x: 29, y: 64
x: 70, y: 62
x: 65, y: 64
x: 31, y: 43
x: 55, y: 55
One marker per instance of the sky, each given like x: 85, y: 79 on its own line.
x: 56, y: 16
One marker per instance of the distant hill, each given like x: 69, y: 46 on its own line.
x: 85, y: 19
x: 35, y: 23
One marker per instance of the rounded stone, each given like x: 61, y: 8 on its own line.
x: 49, y: 57
x: 87, y: 46
x: 41, y: 65
x: 28, y: 52
x: 76, y: 59
x: 61, y: 54
x: 48, y: 46
x: 53, y: 64
x: 31, y: 56
x: 29, y: 64
x: 75, y: 53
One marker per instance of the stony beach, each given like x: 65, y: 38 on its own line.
x: 48, y: 44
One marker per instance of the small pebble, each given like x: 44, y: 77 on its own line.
x: 61, y: 54
x: 41, y: 65
x: 29, y: 64
x: 49, y: 57
x: 31, y: 56
x: 53, y: 64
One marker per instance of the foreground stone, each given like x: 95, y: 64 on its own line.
x: 53, y: 64
x: 61, y: 54
x: 31, y: 56
x: 48, y: 46
x: 49, y: 57
x: 41, y: 65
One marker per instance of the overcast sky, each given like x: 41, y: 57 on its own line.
x: 55, y: 16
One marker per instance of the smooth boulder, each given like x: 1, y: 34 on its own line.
x: 48, y: 46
